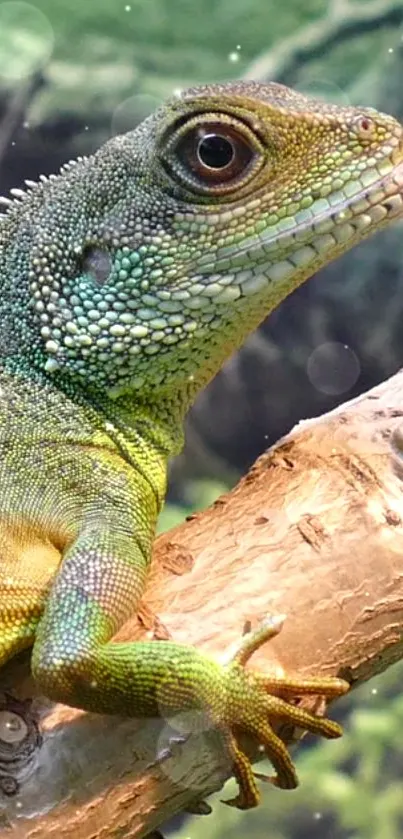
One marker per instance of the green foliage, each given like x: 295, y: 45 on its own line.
x: 96, y: 55
x: 103, y: 52
x: 165, y: 33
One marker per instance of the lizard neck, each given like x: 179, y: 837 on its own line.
x: 67, y: 412
x: 159, y: 423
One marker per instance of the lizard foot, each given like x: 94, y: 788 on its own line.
x: 254, y: 700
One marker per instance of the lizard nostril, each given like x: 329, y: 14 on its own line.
x: 366, y: 124
x: 365, y: 127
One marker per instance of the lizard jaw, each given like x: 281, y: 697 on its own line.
x: 323, y: 231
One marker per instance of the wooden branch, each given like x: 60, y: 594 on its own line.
x: 314, y: 531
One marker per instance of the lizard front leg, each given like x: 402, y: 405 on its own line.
x: 97, y: 588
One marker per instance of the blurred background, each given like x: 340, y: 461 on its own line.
x: 73, y: 74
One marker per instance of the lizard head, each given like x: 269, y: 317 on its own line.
x: 147, y: 264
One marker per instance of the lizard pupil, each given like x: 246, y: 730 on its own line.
x: 215, y: 151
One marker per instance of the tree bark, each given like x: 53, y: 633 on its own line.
x: 314, y: 531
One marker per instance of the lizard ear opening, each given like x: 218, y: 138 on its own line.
x: 96, y: 263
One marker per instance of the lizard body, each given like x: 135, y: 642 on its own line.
x: 125, y: 283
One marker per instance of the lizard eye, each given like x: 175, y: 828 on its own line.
x: 212, y: 156
x: 97, y: 263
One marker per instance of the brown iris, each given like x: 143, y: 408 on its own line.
x: 216, y: 153
x: 209, y: 155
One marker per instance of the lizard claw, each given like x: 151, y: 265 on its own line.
x: 255, y: 701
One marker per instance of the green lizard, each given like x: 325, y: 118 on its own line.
x: 126, y: 281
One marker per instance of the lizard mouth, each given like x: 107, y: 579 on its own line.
x: 330, y: 226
